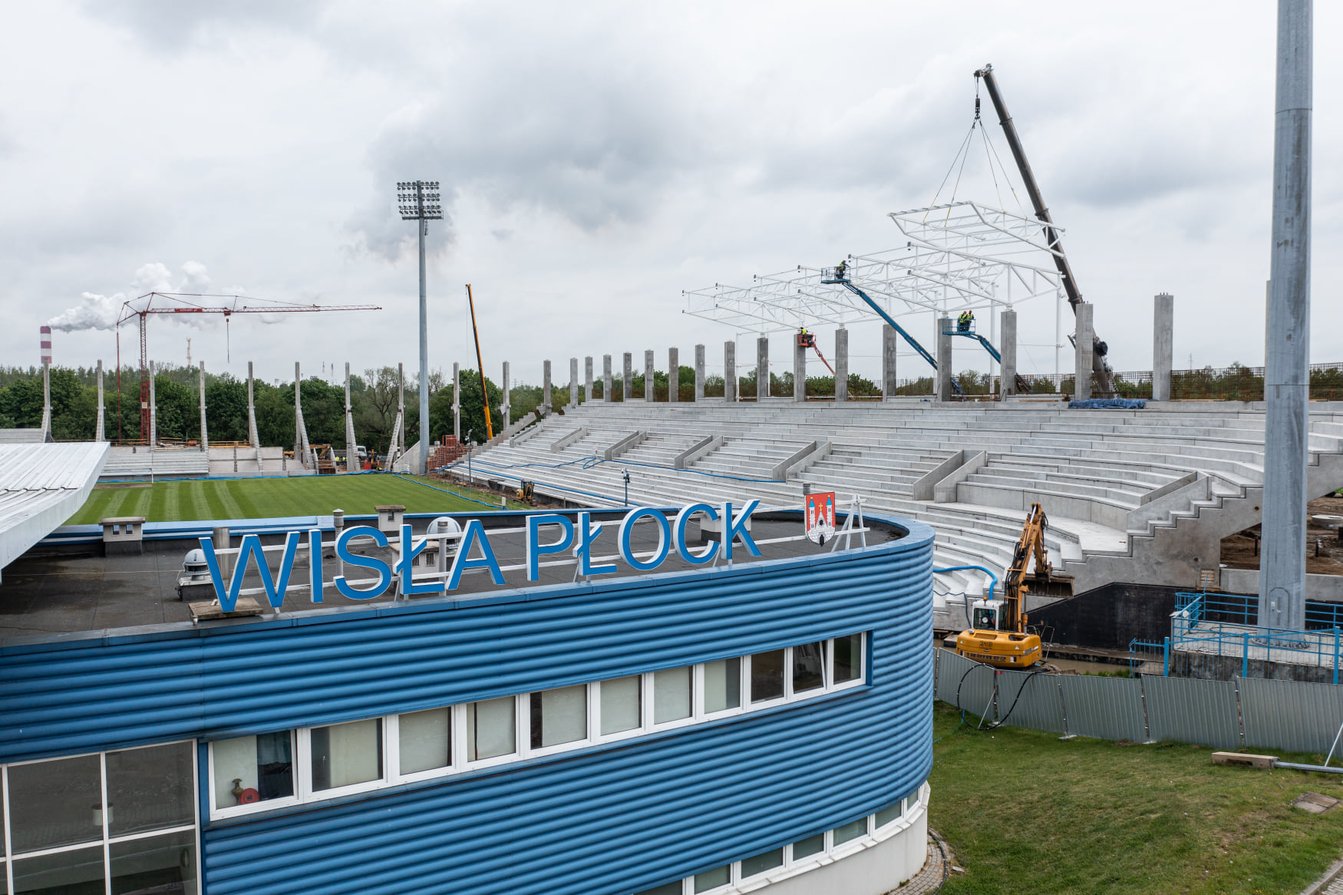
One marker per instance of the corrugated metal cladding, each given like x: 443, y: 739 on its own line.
x: 1295, y: 716
x: 1189, y: 710
x: 609, y: 820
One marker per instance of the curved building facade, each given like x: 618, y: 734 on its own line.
x: 763, y: 724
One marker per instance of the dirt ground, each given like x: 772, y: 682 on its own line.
x: 1324, y: 550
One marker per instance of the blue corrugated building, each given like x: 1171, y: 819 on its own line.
x: 702, y: 727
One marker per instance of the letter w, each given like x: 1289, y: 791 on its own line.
x: 250, y: 550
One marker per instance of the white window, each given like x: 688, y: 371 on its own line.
x: 758, y: 864
x: 890, y: 813
x: 722, y: 685
x: 849, y: 831
x: 713, y: 879
x: 847, y: 659
x: 805, y: 848
x: 425, y: 741
x: 808, y: 667
x: 346, y: 754
x: 621, y: 704
x: 671, y: 695
x: 559, y: 716
x: 491, y: 728
x: 253, y: 769
x: 767, y: 673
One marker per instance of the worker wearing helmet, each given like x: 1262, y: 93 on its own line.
x: 840, y: 269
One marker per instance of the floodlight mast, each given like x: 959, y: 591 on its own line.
x: 1099, y: 368
x: 420, y: 200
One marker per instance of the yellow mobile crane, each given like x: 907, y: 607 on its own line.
x: 998, y: 635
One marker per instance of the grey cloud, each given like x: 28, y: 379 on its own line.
x: 177, y: 24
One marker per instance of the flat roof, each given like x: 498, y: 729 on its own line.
x: 64, y: 591
x: 42, y: 485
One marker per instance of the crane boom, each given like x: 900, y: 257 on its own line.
x: 174, y: 303
x: 1099, y: 367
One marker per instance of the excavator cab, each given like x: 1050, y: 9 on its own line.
x: 526, y: 492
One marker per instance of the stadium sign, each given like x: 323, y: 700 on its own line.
x: 546, y: 535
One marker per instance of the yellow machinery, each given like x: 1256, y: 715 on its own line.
x: 998, y: 634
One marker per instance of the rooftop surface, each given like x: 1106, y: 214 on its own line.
x: 52, y: 594
x: 41, y: 484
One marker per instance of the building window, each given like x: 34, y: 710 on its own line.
x: 253, y: 769
x: 559, y: 716
x: 118, y: 821
x: 758, y: 864
x: 722, y: 685
x: 848, y: 658
x: 491, y: 728
x: 621, y: 705
x: 671, y: 695
x: 425, y: 740
x: 346, y: 754
x: 767, y: 676
x: 850, y: 831
x: 808, y: 667
x: 800, y: 857
x: 252, y: 773
x: 712, y: 879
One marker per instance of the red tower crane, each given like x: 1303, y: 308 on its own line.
x: 174, y: 303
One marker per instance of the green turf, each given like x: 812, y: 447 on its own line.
x: 270, y: 497
x: 1026, y: 812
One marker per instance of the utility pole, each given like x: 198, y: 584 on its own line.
x: 419, y: 200
x: 1282, y: 565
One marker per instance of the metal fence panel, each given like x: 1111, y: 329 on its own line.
x: 1029, y: 699
x: 973, y: 681
x: 1108, y: 708
x: 1290, y: 715
x: 1189, y: 710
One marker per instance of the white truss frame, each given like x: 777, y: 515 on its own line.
x: 957, y: 256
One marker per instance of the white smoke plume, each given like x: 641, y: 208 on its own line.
x: 97, y: 311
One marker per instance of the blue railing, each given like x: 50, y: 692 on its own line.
x: 1227, y: 625
x: 1140, y: 652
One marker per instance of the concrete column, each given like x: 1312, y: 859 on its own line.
x: 1009, y: 353
x: 506, y: 408
x: 942, y: 382
x: 153, y: 408
x: 627, y: 383
x: 573, y: 382
x: 456, y: 401
x: 1282, y: 580
x: 888, y: 357
x: 301, y: 448
x: 100, y: 431
x: 1085, y: 341
x: 649, y: 393
x: 546, y: 394
x: 205, y: 434
x: 841, y: 364
x: 606, y: 379
x: 699, y: 372
x: 762, y: 368
x: 730, y: 370
x: 587, y: 378
x: 351, y: 445
x: 799, y: 372
x: 1163, y: 344
x: 673, y: 375
x: 251, y: 413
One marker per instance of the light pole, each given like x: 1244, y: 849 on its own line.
x: 419, y: 200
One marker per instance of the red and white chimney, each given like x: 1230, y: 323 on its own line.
x: 46, y: 346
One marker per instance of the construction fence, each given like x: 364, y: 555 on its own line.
x: 1242, y: 713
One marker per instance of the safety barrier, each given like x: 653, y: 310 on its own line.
x: 1292, y: 716
x: 1227, y: 625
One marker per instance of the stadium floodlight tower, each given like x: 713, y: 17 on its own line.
x: 420, y: 200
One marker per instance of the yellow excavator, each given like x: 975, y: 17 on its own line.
x: 998, y: 635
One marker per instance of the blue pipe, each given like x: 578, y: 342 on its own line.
x: 993, y: 579
x: 914, y: 343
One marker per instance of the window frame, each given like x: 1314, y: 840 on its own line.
x: 106, y: 841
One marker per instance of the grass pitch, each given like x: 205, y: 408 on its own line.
x: 262, y: 498
x: 1026, y: 812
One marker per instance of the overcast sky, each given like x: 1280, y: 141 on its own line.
x: 599, y: 158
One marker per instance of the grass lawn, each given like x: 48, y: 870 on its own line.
x: 1025, y: 812
x: 267, y: 497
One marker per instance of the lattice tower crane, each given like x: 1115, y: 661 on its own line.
x: 174, y: 303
